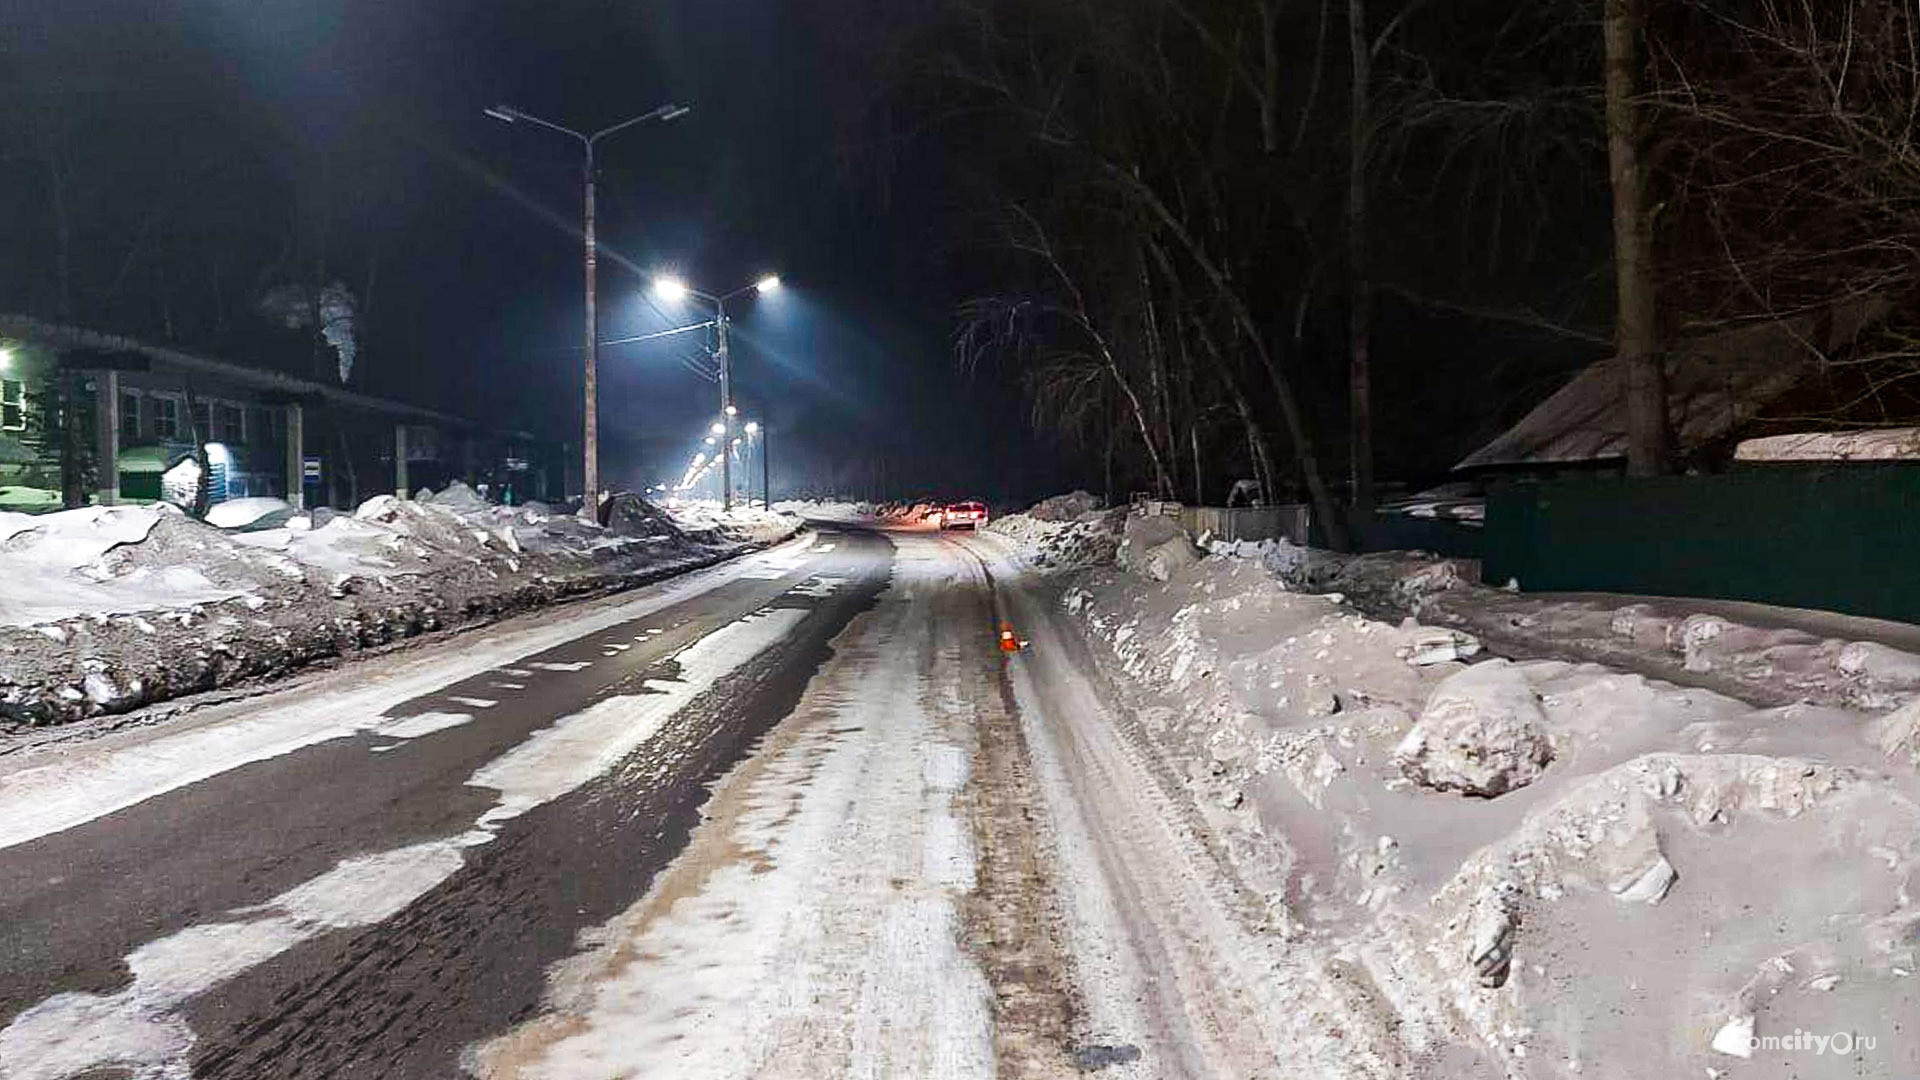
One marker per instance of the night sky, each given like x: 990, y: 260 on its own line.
x: 234, y: 114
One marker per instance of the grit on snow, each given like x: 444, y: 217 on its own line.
x: 1541, y: 868
x: 106, y: 609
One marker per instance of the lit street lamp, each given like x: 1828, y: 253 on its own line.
x: 671, y: 288
x: 590, y: 496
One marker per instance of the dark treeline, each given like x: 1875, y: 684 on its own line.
x: 1288, y: 239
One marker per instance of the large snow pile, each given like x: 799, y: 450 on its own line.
x: 1091, y: 539
x: 1069, y: 507
x: 1532, y: 869
x: 105, y: 609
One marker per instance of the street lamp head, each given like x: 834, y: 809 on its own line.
x: 718, y: 428
x: 505, y: 113
x: 752, y: 428
x: 674, y: 112
x: 731, y: 411
x: 767, y: 284
x: 670, y: 288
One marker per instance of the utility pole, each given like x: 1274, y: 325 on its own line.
x: 590, y: 475
x: 766, y: 468
x: 590, y: 489
x: 726, y: 408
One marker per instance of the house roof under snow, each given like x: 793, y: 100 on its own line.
x: 1716, y: 383
x: 64, y: 337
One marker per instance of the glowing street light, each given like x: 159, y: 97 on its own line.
x: 590, y: 499
x: 752, y: 428
x: 668, y: 287
x: 718, y: 428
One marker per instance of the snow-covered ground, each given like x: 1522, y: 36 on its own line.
x: 106, y: 609
x: 1530, y: 868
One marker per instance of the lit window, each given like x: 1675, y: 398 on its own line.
x: 13, y: 405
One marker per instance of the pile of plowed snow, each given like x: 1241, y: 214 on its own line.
x: 1089, y: 538
x: 104, y: 609
x: 1538, y: 869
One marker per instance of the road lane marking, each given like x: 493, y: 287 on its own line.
x: 563, y: 665
x: 472, y: 702
x: 139, y: 1026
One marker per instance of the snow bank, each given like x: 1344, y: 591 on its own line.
x: 1536, y: 868
x: 1091, y: 538
x: 1763, y: 654
x: 104, y: 609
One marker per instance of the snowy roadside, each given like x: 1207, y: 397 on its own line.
x: 108, y: 609
x: 1540, y: 868
x: 1760, y: 654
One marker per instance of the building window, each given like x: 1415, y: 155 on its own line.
x: 129, y: 418
x: 202, y: 420
x: 13, y: 405
x: 166, y: 418
x: 229, y: 425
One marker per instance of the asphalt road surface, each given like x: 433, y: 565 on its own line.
x: 797, y: 815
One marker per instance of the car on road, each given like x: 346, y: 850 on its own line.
x: 963, y: 515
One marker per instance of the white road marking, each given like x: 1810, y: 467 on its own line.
x: 139, y: 1026
x: 563, y: 665
x: 412, y: 727
x: 518, y: 673
x: 508, y: 685
x: 472, y: 702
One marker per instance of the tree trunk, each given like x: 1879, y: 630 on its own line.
x: 1643, y: 369
x: 1359, y: 282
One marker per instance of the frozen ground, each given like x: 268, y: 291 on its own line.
x: 106, y: 609
x: 1534, y: 868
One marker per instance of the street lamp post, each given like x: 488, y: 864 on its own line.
x: 590, y: 494
x: 675, y: 289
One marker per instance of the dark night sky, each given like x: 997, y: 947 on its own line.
x: 477, y: 306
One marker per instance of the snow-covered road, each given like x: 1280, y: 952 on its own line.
x: 795, y: 816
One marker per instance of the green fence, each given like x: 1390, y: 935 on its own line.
x: 1832, y: 538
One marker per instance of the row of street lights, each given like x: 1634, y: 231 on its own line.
x: 703, y: 462
x: 668, y: 288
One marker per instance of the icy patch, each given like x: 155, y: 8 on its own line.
x: 562, y: 665
x: 138, y: 1026
x: 576, y: 749
x: 472, y: 702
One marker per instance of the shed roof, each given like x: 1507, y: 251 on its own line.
x: 1716, y: 383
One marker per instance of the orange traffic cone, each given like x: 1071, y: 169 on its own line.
x: 1008, y: 642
